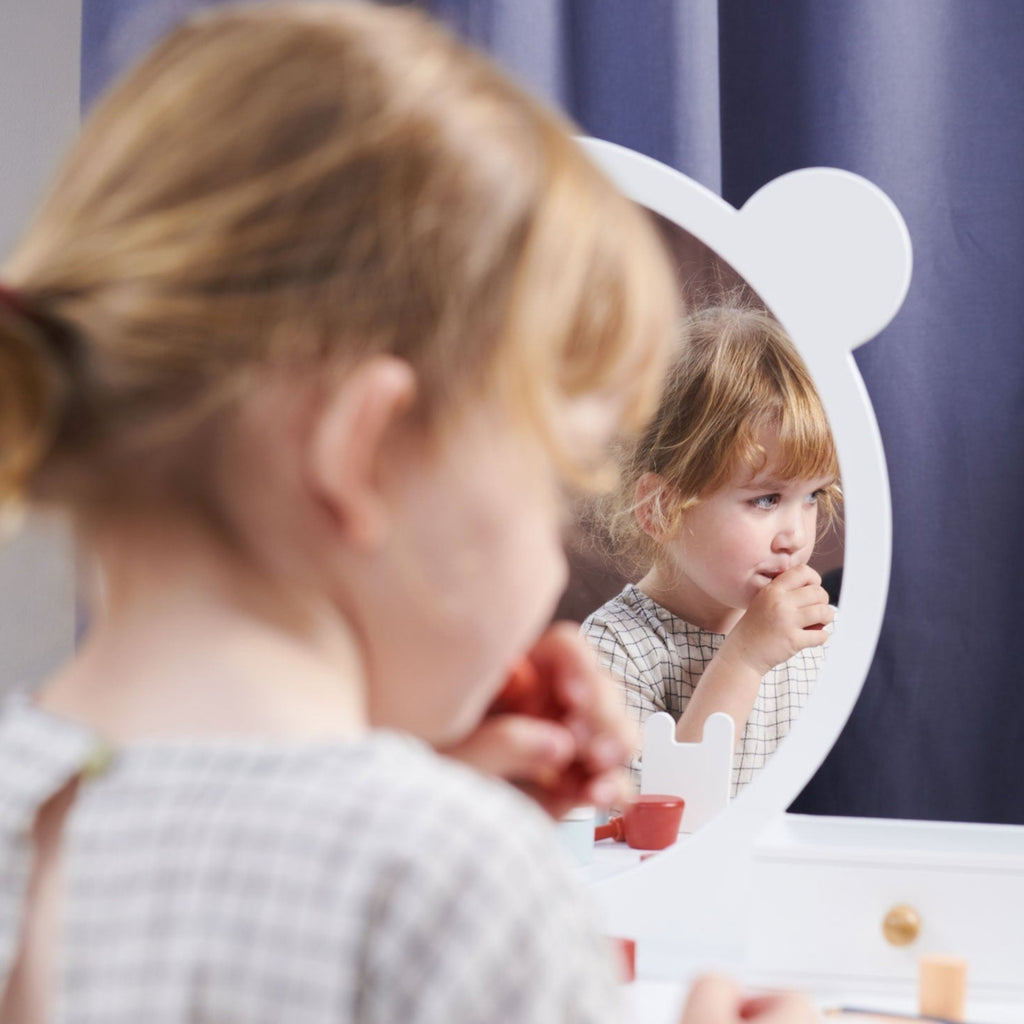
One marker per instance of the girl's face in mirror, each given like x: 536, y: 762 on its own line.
x: 734, y: 542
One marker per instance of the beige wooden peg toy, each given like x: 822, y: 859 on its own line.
x: 942, y: 987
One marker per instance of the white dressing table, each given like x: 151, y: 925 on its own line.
x: 821, y: 891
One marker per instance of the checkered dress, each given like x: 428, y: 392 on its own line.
x: 659, y: 660
x: 237, y: 882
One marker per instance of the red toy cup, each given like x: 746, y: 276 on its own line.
x: 625, y: 952
x: 651, y: 823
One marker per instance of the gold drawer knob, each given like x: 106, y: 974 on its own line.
x: 901, y: 925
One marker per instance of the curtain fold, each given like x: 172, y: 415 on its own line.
x: 923, y: 97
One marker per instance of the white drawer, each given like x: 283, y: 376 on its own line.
x: 821, y: 889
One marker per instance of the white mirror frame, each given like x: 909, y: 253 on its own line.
x: 830, y: 255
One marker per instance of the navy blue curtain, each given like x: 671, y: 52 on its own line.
x: 925, y: 98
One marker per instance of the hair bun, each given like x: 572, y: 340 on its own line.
x: 35, y: 353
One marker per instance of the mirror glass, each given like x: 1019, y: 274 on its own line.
x: 829, y: 255
x: 705, y: 281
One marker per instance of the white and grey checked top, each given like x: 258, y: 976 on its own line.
x: 238, y: 882
x: 659, y: 659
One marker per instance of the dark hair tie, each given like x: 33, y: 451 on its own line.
x: 13, y: 300
x: 60, y: 337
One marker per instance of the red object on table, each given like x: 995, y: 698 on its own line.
x: 651, y: 823
x: 626, y: 950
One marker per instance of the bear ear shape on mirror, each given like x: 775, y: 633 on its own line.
x: 829, y: 255
x: 846, y: 243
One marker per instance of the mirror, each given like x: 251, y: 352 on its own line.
x: 830, y: 255
x: 607, y: 561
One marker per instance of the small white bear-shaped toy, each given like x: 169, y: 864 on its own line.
x: 701, y: 773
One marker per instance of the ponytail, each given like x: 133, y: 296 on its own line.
x: 35, y: 384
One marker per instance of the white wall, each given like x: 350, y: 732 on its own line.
x: 39, y: 73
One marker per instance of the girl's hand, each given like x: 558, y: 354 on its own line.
x: 717, y: 1000
x: 787, y: 615
x: 557, y: 730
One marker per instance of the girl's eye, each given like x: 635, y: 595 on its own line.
x: 765, y: 501
x: 815, y: 496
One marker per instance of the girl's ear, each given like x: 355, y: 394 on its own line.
x: 346, y: 446
x: 650, y: 506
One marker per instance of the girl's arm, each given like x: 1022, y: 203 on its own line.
x: 787, y: 616
x: 727, y: 685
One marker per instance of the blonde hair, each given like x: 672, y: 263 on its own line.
x: 736, y: 373
x: 299, y: 186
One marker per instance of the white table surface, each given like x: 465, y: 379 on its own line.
x: 655, y: 1000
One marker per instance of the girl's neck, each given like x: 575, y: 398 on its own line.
x: 665, y: 587
x: 188, y: 638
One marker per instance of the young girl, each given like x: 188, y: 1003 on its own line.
x: 318, y: 317
x: 719, y: 505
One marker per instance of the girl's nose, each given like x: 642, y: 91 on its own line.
x: 792, y: 533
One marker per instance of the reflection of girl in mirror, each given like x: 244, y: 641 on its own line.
x: 317, y: 316
x: 719, y: 508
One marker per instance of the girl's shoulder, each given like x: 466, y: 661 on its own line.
x: 374, y: 870
x: 635, y: 620
x: 385, y: 790
x: 630, y: 608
